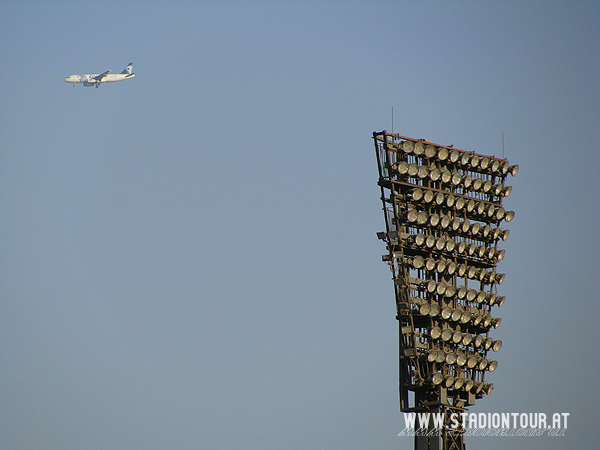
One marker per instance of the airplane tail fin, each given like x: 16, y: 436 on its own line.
x: 128, y: 69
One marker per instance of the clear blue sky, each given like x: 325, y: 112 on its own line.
x: 188, y: 259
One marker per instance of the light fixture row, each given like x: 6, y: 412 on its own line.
x: 449, y: 245
x: 454, y: 179
x: 449, y: 267
x: 461, y: 316
x: 482, y: 211
x: 489, y: 211
x: 459, y: 383
x: 461, y: 338
x: 470, y: 361
x: 469, y: 161
x: 463, y: 293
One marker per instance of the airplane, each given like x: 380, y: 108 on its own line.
x: 105, y: 77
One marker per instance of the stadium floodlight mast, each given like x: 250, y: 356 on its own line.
x: 443, y: 216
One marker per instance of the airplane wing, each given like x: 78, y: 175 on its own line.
x: 99, y: 78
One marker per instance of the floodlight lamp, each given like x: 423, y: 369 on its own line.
x: 446, y: 334
x: 484, y: 163
x: 451, y: 267
x: 495, y: 166
x: 503, y: 234
x: 471, y: 204
x: 467, y: 339
x: 497, y: 345
x: 456, y: 315
x: 401, y: 167
x: 481, y: 295
x: 510, y: 215
x: 459, y: 203
x: 456, y: 179
x: 506, y: 191
x: 435, y: 174
x: 419, y: 239
x: 456, y: 223
x: 434, y: 220
x: 478, y: 387
x: 471, y: 293
x: 472, y: 362
x: 487, y: 186
x: 450, y: 199
x: 487, y: 388
x: 500, y: 300
x: 492, y: 366
x: 497, y: 189
x: 422, y: 172
x: 474, y: 162
x: 499, y: 278
x: 465, y: 226
x: 472, y: 272
x: 467, y: 181
x: 430, y: 151
x: 488, y: 343
x: 464, y: 159
x: 513, y: 170
x: 446, y: 312
x: 437, y: 378
x: 459, y: 382
x: 449, y: 381
x: 428, y: 196
x: 419, y: 148
x: 450, y: 291
x: 430, y: 264
x: 487, y: 320
x: 477, y: 318
x: 450, y: 358
x: 482, y: 364
x: 432, y: 355
x: 439, y: 198
x: 445, y: 221
x: 424, y: 309
x: 418, y: 262
x: 500, y: 213
x: 446, y: 176
x: 454, y: 156
x: 442, y: 154
x: 441, y: 288
x: 461, y: 359
x: 475, y: 227
x: 462, y: 246
x: 465, y: 317
x: 462, y: 269
x: 429, y: 241
x: 408, y: 146
x: 477, y: 183
x: 457, y: 336
x: 431, y: 286
x: 496, y: 322
x: 435, y: 332
x: 478, y: 340
x: 417, y: 194
x: 469, y: 385
x: 440, y: 243
x: 462, y: 292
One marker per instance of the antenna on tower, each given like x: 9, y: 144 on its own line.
x: 392, y: 120
x: 502, y: 145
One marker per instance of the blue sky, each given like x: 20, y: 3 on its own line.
x: 188, y: 259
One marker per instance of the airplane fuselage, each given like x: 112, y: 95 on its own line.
x: 89, y: 78
x: 95, y: 79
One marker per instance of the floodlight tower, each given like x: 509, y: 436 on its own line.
x: 443, y: 213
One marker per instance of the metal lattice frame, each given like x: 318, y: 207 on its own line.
x: 443, y: 209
